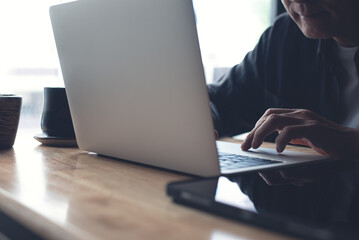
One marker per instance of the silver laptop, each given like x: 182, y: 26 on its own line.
x: 136, y: 87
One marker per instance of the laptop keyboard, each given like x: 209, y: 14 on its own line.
x: 228, y: 161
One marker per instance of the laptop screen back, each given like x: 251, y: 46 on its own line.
x: 135, y: 83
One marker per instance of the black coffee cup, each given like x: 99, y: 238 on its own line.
x: 56, y: 118
x: 10, y: 108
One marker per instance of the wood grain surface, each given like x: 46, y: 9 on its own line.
x: 66, y: 193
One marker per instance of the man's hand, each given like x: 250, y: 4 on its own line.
x: 216, y: 134
x: 304, y: 127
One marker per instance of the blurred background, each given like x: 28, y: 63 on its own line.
x: 227, y: 30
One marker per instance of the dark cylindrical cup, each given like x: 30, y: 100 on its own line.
x: 10, y: 108
x: 56, y: 118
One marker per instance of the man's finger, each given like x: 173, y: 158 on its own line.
x: 247, y: 144
x: 273, y: 123
x: 271, y: 111
x: 248, y: 141
x: 289, y: 133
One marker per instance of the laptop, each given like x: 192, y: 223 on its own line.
x: 136, y: 87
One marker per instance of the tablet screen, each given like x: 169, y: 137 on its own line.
x: 318, y: 201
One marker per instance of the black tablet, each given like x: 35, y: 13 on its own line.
x: 313, y: 202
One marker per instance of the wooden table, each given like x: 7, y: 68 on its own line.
x: 66, y: 193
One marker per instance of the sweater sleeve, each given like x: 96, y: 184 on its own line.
x: 239, y: 98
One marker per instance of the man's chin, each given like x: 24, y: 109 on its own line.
x: 314, y: 33
x: 318, y: 26
x: 317, y: 35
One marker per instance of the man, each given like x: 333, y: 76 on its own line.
x: 304, y: 75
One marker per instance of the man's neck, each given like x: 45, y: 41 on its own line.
x: 347, y: 42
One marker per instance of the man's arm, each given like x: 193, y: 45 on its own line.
x: 241, y: 96
x: 228, y: 94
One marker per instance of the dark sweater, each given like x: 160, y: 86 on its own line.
x: 286, y: 69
